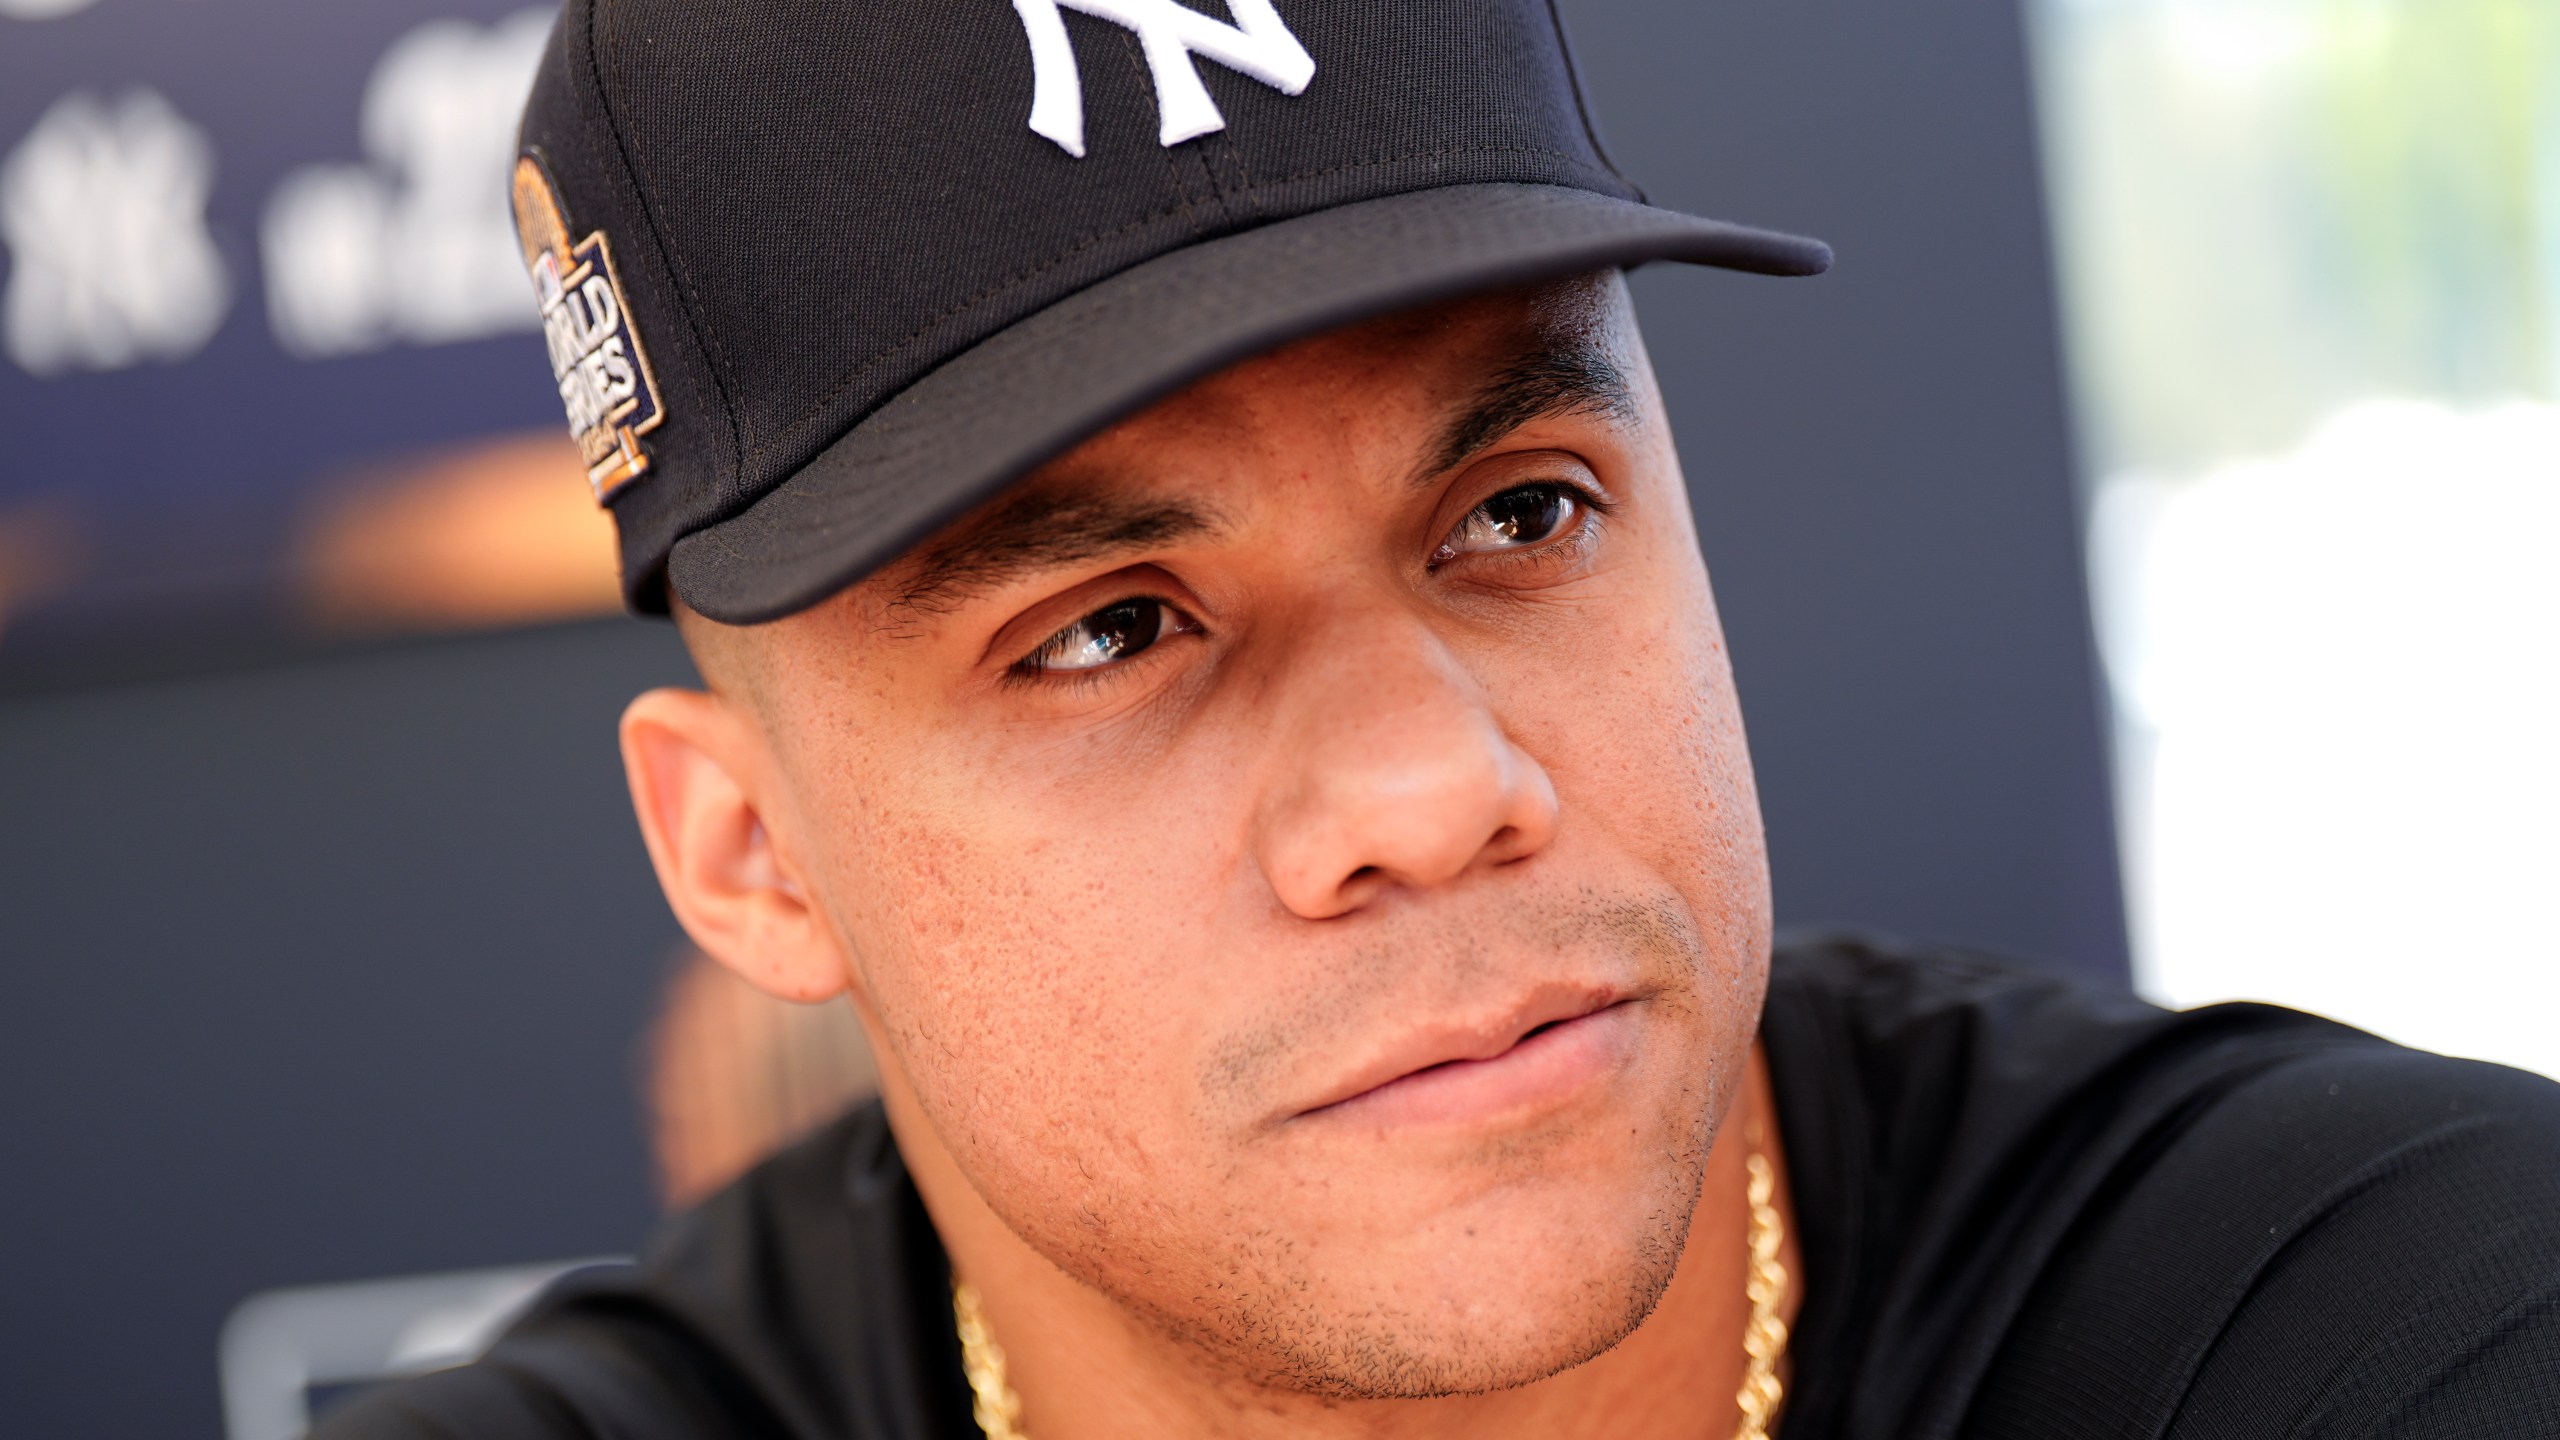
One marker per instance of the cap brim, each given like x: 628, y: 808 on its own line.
x: 1034, y: 390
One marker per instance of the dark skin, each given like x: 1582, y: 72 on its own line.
x: 1296, y: 859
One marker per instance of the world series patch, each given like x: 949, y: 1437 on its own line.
x: 596, y: 359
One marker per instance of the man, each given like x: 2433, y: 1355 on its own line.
x: 1207, y: 654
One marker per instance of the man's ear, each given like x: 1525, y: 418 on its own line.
x: 700, y: 776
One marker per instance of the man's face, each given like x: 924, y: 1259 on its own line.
x: 1299, y: 850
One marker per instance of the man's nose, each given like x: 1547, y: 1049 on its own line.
x: 1396, y: 771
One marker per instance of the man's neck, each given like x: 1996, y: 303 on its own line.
x: 1088, y: 1370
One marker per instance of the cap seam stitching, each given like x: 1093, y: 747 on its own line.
x: 1582, y: 100
x: 1244, y: 181
x: 1145, y: 78
x: 897, y: 348
x: 1200, y: 161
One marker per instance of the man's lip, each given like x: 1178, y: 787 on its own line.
x: 1489, y: 1039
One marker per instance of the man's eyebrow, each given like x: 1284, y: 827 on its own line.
x: 1563, y: 376
x: 1040, y: 532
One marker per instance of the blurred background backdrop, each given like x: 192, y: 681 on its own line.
x: 2158, y: 501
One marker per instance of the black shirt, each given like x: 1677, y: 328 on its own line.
x: 2026, y: 1208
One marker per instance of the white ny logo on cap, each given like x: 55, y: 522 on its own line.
x: 1258, y: 44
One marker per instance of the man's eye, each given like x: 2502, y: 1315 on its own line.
x: 1106, y: 637
x: 1513, y: 520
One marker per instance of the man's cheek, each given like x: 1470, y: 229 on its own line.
x: 1069, y: 1132
x: 1041, y: 989
x: 1625, y: 750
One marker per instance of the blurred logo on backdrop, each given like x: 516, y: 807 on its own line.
x: 413, y: 245
x: 272, y: 366
x: 102, y: 207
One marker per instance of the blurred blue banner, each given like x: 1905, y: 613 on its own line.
x: 268, y: 362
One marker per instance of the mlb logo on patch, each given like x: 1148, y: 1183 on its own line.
x: 596, y: 359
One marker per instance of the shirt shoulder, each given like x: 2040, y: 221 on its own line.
x: 2031, y: 1206
x: 808, y: 1301
x: 2356, y: 1243
x: 607, y: 1360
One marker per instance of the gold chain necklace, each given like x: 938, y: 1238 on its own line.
x: 992, y: 1401
x: 1764, y: 1338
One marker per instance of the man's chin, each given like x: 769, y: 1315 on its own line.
x: 1403, y: 1359
x: 1488, y: 1313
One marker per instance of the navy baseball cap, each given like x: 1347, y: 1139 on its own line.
x: 818, y: 277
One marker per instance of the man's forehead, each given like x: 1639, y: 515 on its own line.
x: 1057, y: 520
x: 1504, y: 359
x: 1456, y: 340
